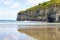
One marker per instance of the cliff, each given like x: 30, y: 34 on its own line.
x: 47, y: 11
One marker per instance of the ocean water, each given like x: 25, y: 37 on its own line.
x: 8, y: 31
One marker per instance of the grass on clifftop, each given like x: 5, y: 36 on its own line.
x: 43, y: 5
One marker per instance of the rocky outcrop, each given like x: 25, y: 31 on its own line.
x: 50, y: 13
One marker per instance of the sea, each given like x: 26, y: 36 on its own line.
x: 9, y: 30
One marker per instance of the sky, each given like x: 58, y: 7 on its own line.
x: 10, y: 8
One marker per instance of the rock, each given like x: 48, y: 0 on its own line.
x: 48, y: 13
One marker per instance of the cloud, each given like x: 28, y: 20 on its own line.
x: 7, y: 3
x: 8, y: 14
x: 0, y: 3
x: 11, y: 4
x: 8, y: 9
x: 15, y: 5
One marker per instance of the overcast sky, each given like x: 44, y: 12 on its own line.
x: 9, y: 8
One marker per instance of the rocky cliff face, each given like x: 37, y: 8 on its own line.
x: 42, y: 12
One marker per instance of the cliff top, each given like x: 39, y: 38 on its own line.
x: 43, y: 5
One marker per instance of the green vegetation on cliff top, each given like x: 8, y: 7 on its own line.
x: 43, y: 5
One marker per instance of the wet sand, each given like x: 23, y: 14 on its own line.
x: 42, y: 33
x: 10, y: 32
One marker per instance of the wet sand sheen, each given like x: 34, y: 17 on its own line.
x: 43, y: 33
x: 11, y: 33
